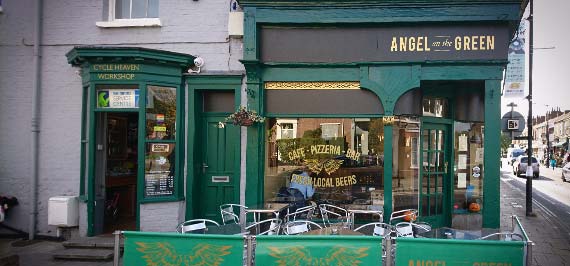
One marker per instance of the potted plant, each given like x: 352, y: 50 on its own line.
x: 244, y: 117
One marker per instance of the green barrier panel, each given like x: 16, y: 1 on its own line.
x: 318, y: 250
x: 165, y: 249
x: 448, y: 252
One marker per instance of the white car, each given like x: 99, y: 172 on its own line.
x: 520, y: 164
x: 566, y: 172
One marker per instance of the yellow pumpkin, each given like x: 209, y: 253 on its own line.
x: 474, y: 207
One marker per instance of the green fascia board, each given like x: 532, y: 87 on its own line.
x: 311, y: 73
x: 371, y: 2
x: 214, y: 81
x: 94, y: 54
x: 470, y: 13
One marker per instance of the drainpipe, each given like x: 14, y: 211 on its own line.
x: 35, y: 119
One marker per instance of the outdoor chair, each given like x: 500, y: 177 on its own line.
x: 504, y: 236
x: 331, y: 212
x: 401, y: 215
x: 421, y: 227
x: 304, y: 213
x: 265, y: 227
x: 231, y: 213
x: 194, y: 225
x: 299, y: 226
x: 376, y: 229
x: 404, y: 229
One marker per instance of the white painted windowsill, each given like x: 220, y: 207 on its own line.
x: 138, y: 22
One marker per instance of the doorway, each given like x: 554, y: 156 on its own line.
x: 116, y: 170
x: 435, y: 174
x: 218, y: 154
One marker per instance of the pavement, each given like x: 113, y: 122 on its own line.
x: 551, y: 240
x: 551, y: 243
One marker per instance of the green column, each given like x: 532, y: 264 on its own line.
x: 492, y: 144
x: 388, y: 172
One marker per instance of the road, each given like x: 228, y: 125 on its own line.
x: 550, y: 194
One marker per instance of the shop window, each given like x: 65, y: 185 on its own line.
x: 130, y: 13
x: 328, y: 160
x: 468, y: 174
x: 405, y: 162
x: 160, y: 156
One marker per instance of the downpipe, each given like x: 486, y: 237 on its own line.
x: 35, y: 122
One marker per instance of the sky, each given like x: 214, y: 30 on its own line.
x: 551, y: 67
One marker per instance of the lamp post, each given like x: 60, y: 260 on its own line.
x: 529, y: 171
x: 547, y: 138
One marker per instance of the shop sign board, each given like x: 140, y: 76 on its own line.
x: 159, y: 183
x: 424, y: 251
x: 116, y: 98
x: 386, y: 44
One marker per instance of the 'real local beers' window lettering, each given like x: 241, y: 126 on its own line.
x: 337, y: 161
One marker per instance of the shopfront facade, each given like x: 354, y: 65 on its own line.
x: 379, y: 106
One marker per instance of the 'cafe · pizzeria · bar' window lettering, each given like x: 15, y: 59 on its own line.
x: 326, y: 160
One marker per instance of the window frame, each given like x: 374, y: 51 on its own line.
x: 112, y: 22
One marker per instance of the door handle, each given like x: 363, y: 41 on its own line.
x: 204, y: 166
x: 445, y: 167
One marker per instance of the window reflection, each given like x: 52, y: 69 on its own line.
x: 326, y: 160
x: 469, y: 174
x: 406, y: 146
x: 161, y: 113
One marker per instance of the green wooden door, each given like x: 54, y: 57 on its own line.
x: 435, y: 174
x: 219, y: 168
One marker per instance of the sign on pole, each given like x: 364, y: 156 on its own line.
x: 514, y: 78
x: 513, y: 124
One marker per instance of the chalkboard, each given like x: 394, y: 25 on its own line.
x: 158, y: 183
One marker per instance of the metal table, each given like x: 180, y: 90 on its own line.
x: 333, y: 230
x: 352, y: 212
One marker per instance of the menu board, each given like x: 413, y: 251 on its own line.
x: 158, y: 183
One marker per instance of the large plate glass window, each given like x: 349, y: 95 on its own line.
x: 469, y: 174
x: 160, y: 157
x: 336, y: 161
x: 405, y: 177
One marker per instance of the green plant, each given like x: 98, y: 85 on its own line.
x: 244, y: 117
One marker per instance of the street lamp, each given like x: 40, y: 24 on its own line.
x: 529, y: 172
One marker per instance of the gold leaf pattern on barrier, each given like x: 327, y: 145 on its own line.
x: 164, y: 254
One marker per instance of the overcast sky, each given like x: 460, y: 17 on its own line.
x: 551, y: 67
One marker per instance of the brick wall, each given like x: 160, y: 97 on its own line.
x: 193, y: 27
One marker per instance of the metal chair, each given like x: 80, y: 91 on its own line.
x: 299, y: 226
x: 194, y: 225
x: 404, y: 229
x: 229, y: 214
x: 265, y: 227
x: 380, y: 229
x: 504, y: 236
x: 335, y: 212
x: 421, y: 227
x: 412, y: 214
x: 304, y: 213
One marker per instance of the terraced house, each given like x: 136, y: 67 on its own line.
x: 368, y: 104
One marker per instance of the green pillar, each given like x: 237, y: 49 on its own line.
x: 388, y: 172
x: 492, y: 145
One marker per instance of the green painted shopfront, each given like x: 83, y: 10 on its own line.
x: 372, y: 105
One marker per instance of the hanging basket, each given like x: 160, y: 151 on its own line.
x: 246, y: 122
x: 244, y: 117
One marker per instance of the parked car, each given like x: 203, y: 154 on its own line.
x: 566, y: 172
x: 520, y: 164
x: 513, y: 154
